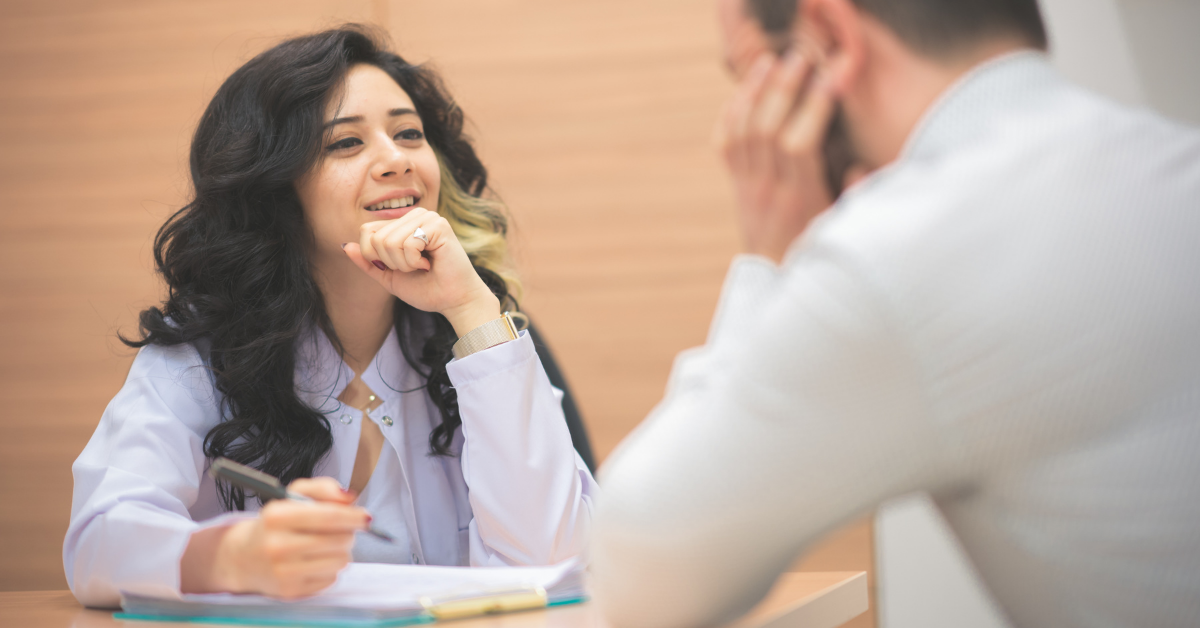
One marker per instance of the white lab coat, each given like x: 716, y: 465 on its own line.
x: 518, y: 493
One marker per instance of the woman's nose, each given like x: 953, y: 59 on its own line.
x: 390, y: 161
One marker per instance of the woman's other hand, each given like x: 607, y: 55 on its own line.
x: 435, y: 276
x: 771, y: 137
x: 292, y: 549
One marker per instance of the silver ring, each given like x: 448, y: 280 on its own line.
x: 420, y: 235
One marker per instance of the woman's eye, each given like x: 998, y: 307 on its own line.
x: 349, y: 142
x: 410, y: 134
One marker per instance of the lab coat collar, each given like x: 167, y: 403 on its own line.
x: 389, y: 373
x: 322, y: 375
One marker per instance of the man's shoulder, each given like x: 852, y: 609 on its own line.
x: 1034, y: 171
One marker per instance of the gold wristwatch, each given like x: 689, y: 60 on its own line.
x: 487, y: 335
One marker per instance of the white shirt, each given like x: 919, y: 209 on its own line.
x: 517, y: 493
x: 1008, y: 316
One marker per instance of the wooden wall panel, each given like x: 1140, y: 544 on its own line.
x: 594, y: 118
x: 97, y: 109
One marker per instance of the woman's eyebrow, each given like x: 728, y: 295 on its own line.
x: 399, y: 111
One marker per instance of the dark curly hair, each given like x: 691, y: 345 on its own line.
x: 234, y: 259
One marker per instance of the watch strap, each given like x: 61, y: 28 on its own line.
x: 485, y: 336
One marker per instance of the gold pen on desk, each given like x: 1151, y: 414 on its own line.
x: 267, y: 486
x: 486, y: 603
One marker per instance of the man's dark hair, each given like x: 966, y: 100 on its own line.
x: 933, y: 27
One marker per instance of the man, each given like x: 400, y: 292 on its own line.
x: 1005, y: 312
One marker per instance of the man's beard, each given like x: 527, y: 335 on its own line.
x: 838, y: 151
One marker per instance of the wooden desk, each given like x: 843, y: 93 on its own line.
x: 799, y: 600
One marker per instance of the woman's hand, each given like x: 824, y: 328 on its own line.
x: 292, y: 549
x: 436, y: 276
x: 772, y: 136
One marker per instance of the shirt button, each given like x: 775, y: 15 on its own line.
x: 415, y: 560
x: 387, y: 420
x: 346, y: 419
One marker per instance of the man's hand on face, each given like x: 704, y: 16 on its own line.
x: 771, y: 136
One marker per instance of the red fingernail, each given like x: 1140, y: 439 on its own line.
x: 370, y: 519
x: 380, y: 265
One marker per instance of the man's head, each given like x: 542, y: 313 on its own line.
x: 887, y: 60
x: 933, y: 27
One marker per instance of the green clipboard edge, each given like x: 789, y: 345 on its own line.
x: 239, y: 621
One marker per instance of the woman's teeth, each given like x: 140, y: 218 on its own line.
x: 394, y: 203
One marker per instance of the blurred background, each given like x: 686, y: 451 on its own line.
x: 593, y: 117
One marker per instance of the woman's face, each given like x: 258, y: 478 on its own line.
x: 375, y: 164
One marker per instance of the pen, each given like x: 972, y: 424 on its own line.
x: 267, y: 486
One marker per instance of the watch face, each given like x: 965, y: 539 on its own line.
x: 512, y: 326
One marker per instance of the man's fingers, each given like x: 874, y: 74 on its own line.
x: 780, y: 94
x: 744, y: 98
x: 804, y: 135
x: 741, y: 108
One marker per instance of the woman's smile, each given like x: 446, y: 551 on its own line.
x: 394, y: 204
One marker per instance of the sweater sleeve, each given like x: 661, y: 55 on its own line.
x: 776, y: 439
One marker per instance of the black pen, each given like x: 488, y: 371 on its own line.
x: 267, y: 486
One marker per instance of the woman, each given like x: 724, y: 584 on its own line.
x: 337, y: 249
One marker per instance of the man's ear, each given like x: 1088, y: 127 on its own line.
x: 830, y: 33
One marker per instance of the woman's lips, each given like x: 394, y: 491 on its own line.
x: 395, y: 200
x: 390, y: 214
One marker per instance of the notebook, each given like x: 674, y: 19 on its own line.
x: 374, y: 594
